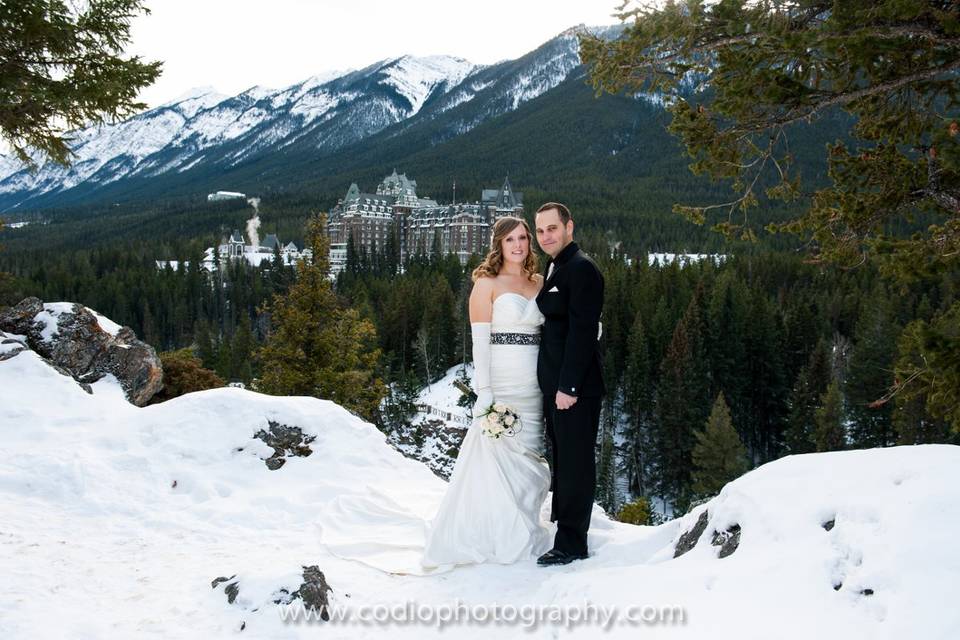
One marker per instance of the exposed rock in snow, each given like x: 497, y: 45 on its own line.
x: 727, y: 540
x: 690, y: 538
x: 86, y: 345
x: 285, y: 441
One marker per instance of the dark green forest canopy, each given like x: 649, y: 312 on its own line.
x: 891, y: 64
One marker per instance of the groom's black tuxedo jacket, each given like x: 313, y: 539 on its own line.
x: 571, y: 301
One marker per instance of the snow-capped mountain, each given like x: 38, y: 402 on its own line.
x: 209, y: 132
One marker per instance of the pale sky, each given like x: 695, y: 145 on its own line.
x: 231, y: 45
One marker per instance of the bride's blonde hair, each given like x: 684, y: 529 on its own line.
x: 493, y: 262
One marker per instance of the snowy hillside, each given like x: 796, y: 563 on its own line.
x: 120, y: 519
x: 438, y: 427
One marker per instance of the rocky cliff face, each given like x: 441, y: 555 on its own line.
x: 81, y: 343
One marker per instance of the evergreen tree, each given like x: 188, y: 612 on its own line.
x: 938, y: 342
x: 870, y: 373
x: 914, y: 425
x: 204, y: 344
x: 353, y: 265
x: 224, y: 360
x: 317, y: 347
x: 277, y: 271
x: 149, y: 333
x: 811, y: 384
x: 728, y: 336
x: 802, y: 332
x: 919, y: 418
x: 400, y: 404
x: 438, y: 324
x: 241, y: 352
x: 681, y: 404
x: 10, y: 289
x: 661, y: 329
x: 719, y: 455
x: 399, y: 324
x: 436, y: 250
x: 638, y: 395
x: 766, y: 406
x: 218, y: 294
x: 183, y: 373
x: 615, y: 325
x: 392, y: 252
x: 829, y: 434
x: 63, y: 69
x: 606, y: 494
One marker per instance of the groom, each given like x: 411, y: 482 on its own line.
x: 570, y: 376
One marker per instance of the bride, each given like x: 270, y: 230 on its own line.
x: 491, y: 509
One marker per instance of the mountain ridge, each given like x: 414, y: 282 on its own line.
x: 204, y: 130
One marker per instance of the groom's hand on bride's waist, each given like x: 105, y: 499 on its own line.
x: 565, y: 401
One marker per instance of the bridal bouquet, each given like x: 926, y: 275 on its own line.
x: 500, y: 420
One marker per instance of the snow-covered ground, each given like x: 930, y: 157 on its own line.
x: 115, y: 520
x: 438, y: 427
x: 663, y: 259
x: 444, y: 396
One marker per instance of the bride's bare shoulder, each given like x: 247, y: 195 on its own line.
x: 484, y: 285
x: 481, y: 300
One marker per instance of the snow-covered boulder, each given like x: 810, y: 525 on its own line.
x: 86, y: 345
x: 11, y: 345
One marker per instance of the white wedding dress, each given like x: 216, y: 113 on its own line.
x: 492, y: 508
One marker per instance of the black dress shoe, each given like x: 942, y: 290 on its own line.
x: 557, y: 557
x: 547, y: 556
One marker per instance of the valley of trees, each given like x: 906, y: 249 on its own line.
x: 890, y: 66
x: 800, y: 353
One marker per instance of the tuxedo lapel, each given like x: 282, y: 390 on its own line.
x: 557, y: 263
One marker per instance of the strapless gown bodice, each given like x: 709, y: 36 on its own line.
x: 513, y: 312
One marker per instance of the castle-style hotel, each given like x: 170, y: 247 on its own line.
x: 462, y: 229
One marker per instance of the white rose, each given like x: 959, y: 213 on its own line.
x: 500, y: 407
x: 508, y: 420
